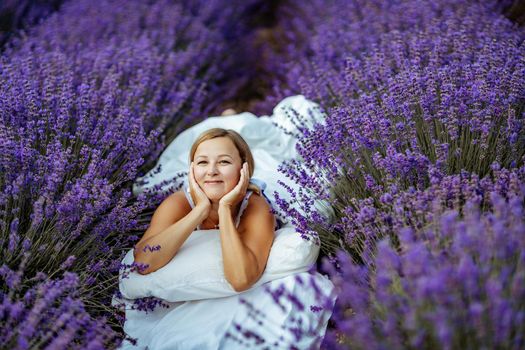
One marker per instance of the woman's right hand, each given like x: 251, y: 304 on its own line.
x: 197, y: 194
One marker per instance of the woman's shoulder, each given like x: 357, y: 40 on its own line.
x: 173, y: 208
x: 256, y: 214
x: 257, y: 204
x: 178, y: 200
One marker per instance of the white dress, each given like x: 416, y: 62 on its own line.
x: 220, y: 323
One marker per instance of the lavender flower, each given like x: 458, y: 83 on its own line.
x: 422, y: 145
x: 50, y: 307
x: 457, y: 283
x: 87, y: 100
x: 422, y: 98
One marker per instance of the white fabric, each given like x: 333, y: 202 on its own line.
x: 204, y: 324
x: 196, y: 272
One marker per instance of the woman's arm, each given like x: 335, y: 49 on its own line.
x: 245, y: 251
x: 171, y: 224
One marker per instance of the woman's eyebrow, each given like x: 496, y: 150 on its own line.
x: 220, y: 155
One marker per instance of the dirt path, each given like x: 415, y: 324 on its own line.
x: 264, y: 43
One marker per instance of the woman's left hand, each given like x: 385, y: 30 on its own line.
x: 237, y: 194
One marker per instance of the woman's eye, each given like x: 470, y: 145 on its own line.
x: 205, y: 162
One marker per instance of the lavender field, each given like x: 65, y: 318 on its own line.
x: 420, y: 159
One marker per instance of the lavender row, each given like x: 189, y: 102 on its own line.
x: 417, y: 107
x: 87, y: 100
x: 425, y: 121
x: 316, y: 39
x: 51, y: 314
x: 457, y: 283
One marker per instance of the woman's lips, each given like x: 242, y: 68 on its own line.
x: 213, y: 182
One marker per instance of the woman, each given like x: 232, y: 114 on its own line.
x: 219, y: 192
x: 220, y: 197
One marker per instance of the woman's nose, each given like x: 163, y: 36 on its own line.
x: 212, y: 169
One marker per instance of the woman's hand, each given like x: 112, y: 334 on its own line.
x: 199, y: 197
x: 236, y: 195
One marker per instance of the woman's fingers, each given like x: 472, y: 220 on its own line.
x: 193, y: 188
x: 197, y: 192
x: 246, y: 177
x: 242, y: 180
x: 240, y: 185
x: 194, y: 183
x: 192, y: 176
x: 238, y: 192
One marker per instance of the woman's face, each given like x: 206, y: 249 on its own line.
x: 217, y: 165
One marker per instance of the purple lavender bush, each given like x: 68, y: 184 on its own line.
x: 458, y: 283
x: 165, y: 45
x: 317, y: 38
x: 87, y: 101
x: 445, y: 99
x: 32, y: 317
x: 451, y: 277
x: 423, y: 138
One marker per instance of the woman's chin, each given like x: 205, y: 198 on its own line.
x: 214, y: 196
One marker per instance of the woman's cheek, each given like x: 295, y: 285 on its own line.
x: 236, y: 176
x: 199, y: 176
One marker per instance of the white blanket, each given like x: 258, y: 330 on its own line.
x: 211, y: 323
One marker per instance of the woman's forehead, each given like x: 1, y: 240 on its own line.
x: 216, y: 147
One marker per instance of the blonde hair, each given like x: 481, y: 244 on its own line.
x: 238, y: 141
